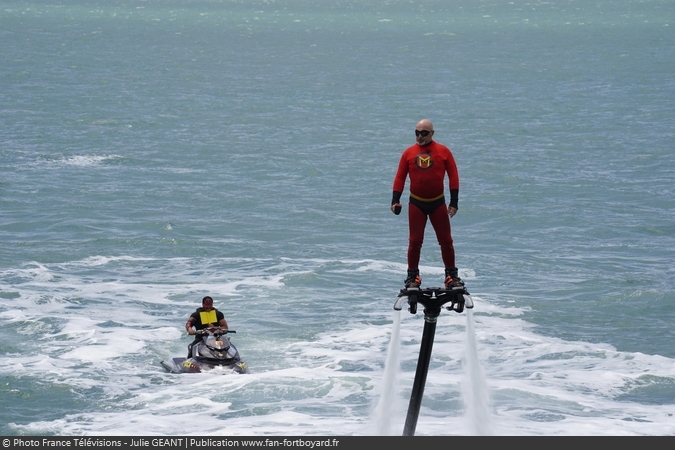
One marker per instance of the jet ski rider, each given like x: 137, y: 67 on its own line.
x: 205, y: 317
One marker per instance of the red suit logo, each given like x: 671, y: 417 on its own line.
x: 424, y: 161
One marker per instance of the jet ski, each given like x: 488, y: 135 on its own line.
x: 214, y: 353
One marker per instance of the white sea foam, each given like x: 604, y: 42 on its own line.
x: 489, y: 371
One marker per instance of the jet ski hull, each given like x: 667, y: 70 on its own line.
x: 214, y: 352
x: 184, y: 365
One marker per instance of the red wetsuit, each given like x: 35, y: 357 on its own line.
x: 427, y: 165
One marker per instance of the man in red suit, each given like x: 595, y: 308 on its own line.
x: 426, y: 163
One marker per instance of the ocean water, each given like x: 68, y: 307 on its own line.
x: 153, y: 152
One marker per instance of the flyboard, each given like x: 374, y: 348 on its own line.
x: 434, y: 299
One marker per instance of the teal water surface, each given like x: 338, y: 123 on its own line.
x: 153, y: 152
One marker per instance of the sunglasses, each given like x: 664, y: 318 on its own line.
x: 423, y: 133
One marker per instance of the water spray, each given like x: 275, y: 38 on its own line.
x: 433, y: 300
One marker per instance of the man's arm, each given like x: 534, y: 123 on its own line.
x: 396, y: 202
x: 222, y: 323
x: 188, y: 326
x: 454, y: 198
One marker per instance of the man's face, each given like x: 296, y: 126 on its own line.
x: 207, y: 305
x: 423, y: 134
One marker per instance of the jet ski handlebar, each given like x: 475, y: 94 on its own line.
x: 214, y: 331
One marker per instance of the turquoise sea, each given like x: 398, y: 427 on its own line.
x: 156, y: 151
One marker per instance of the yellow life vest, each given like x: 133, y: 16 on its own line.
x: 208, y: 317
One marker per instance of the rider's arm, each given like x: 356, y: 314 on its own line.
x: 188, y: 326
x: 223, y: 323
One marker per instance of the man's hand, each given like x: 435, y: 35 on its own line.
x: 452, y: 211
x: 396, y: 208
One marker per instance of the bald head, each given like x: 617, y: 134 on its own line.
x: 424, y: 132
x: 425, y: 124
